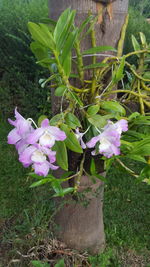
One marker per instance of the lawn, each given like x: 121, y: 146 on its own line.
x: 27, y: 216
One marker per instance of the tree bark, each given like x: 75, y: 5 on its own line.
x: 82, y: 227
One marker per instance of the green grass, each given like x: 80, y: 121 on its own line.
x: 26, y: 214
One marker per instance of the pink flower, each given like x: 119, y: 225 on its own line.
x: 46, y: 135
x: 40, y: 158
x: 79, y: 137
x: 22, y: 129
x: 109, y: 139
x: 34, y: 146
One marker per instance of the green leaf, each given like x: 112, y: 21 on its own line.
x: 133, y: 116
x: 143, y: 39
x: 98, y: 49
x: 41, y: 182
x: 66, y: 175
x: 59, y: 91
x: 41, y: 33
x: 48, y: 21
x: 40, y: 264
x: 72, y: 121
x: 40, y: 119
x: 97, y: 120
x: 43, y: 82
x: 141, y: 148
x: 146, y: 75
x: 92, y: 167
x: 138, y: 136
x: 108, y: 163
x: 68, y: 44
x: 46, y: 62
x: 61, y: 154
x: 146, y: 171
x: 135, y: 44
x: 41, y: 53
x: 95, y: 66
x: 60, y: 25
x: 113, y: 107
x: 137, y: 158
x: 118, y: 72
x: 142, y: 120
x: 64, y: 192
x: 100, y: 177
x: 60, y: 263
x: 92, y: 110
x: 90, y: 28
x: 67, y: 64
x: 57, y: 118
x: 84, y: 23
x: 77, y: 99
x: 57, y: 187
x: 63, y: 27
x: 71, y: 141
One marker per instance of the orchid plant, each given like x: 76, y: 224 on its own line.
x: 90, y: 114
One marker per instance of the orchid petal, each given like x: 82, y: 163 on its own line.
x: 41, y: 169
x: 53, y: 167
x: 45, y: 123
x: 13, y: 137
x: 93, y: 141
x: 21, y: 145
x: 25, y: 156
x: 38, y: 157
x: 57, y: 133
x: 47, y: 140
x: 34, y: 136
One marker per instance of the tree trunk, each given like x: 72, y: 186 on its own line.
x: 82, y: 227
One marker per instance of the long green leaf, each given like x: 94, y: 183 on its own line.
x: 135, y: 44
x: 71, y: 141
x: 97, y: 120
x: 41, y: 182
x: 41, y: 33
x: 98, y: 49
x: 61, y: 154
x: 72, y: 121
x: 68, y: 44
x: 67, y: 64
x: 92, y: 110
x: 66, y: 27
x: 113, y: 106
x: 84, y: 23
x: 118, y: 72
x: 141, y: 148
x: 60, y: 25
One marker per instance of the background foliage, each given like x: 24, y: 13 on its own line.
x: 137, y: 23
x: 143, y: 6
x: 19, y: 73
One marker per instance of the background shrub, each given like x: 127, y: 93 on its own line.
x: 137, y: 23
x: 19, y: 73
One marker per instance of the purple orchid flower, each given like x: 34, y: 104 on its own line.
x: 109, y: 139
x: 79, y: 137
x: 46, y: 135
x: 40, y: 158
x: 22, y: 128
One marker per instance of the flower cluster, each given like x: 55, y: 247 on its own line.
x: 34, y: 146
x: 109, y: 140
